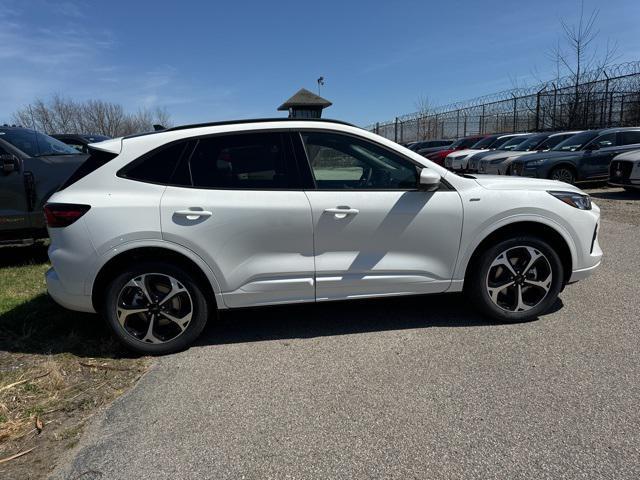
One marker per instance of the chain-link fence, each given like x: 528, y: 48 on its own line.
x: 607, y: 98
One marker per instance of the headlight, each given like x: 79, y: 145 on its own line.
x: 577, y: 200
x: 534, y: 163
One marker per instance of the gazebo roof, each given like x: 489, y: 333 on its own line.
x: 305, y: 98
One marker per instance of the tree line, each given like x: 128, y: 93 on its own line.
x: 96, y: 117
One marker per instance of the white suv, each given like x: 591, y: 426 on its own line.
x: 158, y: 231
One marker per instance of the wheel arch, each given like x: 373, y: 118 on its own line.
x: 552, y: 234
x: 136, y: 253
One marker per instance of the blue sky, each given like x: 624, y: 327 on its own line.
x: 214, y: 60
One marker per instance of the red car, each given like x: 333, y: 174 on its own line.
x: 461, y: 144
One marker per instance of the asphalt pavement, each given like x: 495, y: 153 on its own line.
x: 419, y: 387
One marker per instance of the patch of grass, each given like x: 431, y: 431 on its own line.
x: 56, y: 367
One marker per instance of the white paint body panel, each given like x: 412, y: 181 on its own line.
x: 259, y: 244
x: 397, y: 243
x: 265, y: 247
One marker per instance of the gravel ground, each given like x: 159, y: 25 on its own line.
x: 401, y: 388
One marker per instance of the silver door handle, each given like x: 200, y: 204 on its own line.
x: 193, y: 213
x: 342, y: 211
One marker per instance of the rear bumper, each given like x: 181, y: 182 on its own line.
x: 80, y: 303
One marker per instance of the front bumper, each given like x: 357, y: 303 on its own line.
x: 583, y: 273
x: 80, y: 303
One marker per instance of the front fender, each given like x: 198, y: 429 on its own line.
x: 492, y: 225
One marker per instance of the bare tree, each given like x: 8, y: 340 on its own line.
x: 579, y: 58
x: 62, y: 115
x: 422, y: 117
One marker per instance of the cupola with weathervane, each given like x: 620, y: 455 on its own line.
x: 305, y: 104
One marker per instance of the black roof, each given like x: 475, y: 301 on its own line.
x: 305, y: 98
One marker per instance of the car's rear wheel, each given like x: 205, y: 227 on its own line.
x: 563, y: 174
x: 155, y: 308
x: 516, y: 280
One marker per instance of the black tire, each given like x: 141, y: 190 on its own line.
x: 194, y: 297
x: 476, y: 285
x: 563, y: 174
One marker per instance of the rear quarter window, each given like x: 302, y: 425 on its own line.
x: 157, y: 166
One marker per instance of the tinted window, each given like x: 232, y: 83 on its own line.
x: 608, y: 140
x: 345, y: 162
x: 158, y: 166
x: 575, y: 142
x: 530, y: 143
x: 512, y: 142
x: 629, y: 138
x: 554, y: 140
x: 484, y: 143
x: 35, y: 144
x: 252, y: 161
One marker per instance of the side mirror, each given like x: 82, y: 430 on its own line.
x: 593, y: 146
x: 8, y: 163
x: 429, y: 180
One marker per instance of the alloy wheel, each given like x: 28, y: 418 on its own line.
x: 562, y: 174
x: 519, y: 279
x: 154, y: 308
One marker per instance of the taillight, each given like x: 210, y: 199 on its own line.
x: 63, y: 214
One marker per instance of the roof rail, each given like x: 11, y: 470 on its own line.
x: 247, y: 120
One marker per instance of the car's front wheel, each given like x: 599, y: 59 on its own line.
x: 155, y: 308
x: 516, y: 280
x: 563, y: 174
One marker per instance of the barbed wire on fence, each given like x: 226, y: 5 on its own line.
x: 603, y: 98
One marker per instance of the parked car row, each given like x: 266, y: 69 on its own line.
x: 571, y: 156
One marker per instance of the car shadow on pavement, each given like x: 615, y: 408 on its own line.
x: 617, y: 195
x: 344, y: 318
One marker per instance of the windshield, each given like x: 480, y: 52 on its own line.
x: 484, y: 143
x: 576, y: 142
x: 530, y: 143
x: 499, y: 142
x: 512, y: 142
x: 554, y: 140
x: 36, y: 144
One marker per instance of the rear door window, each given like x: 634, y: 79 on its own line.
x: 251, y: 161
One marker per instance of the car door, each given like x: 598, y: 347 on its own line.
x: 238, y: 203
x: 597, y: 156
x: 14, y: 208
x: 375, y: 233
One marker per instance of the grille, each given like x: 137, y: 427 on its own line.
x: 620, y: 170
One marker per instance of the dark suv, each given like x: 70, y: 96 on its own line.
x: 78, y: 141
x: 33, y: 166
x: 581, y: 158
